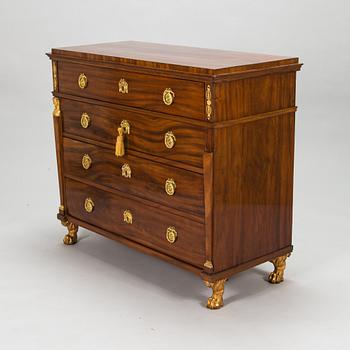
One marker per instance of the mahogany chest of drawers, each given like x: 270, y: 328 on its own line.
x: 182, y: 153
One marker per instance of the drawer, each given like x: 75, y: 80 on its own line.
x: 135, y: 175
x: 147, y: 133
x: 144, y: 224
x: 186, y: 98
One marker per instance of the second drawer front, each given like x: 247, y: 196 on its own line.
x: 147, y: 134
x: 146, y: 225
x: 134, y: 175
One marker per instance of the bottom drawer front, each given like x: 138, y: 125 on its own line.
x: 171, y: 234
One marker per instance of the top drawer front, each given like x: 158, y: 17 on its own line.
x: 143, y: 91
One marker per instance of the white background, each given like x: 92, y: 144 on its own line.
x: 101, y: 295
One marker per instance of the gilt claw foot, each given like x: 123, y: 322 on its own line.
x: 71, y: 237
x: 69, y: 240
x: 277, y: 276
x: 216, y: 301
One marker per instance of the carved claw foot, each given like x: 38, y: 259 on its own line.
x: 280, y: 264
x: 71, y: 237
x: 216, y: 300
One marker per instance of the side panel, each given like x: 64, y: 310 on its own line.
x: 253, y: 189
x: 245, y: 97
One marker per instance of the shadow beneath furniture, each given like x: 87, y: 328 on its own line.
x: 153, y: 271
x: 171, y: 279
x: 246, y: 284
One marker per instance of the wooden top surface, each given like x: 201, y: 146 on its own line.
x: 171, y: 57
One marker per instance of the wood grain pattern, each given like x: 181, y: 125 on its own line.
x: 145, y: 91
x: 148, y: 227
x: 57, y: 123
x: 173, y: 57
x: 209, y: 197
x: 150, y: 157
x: 147, y: 133
x: 145, y: 202
x: 147, y: 177
x: 253, y: 186
x: 144, y: 112
x: 248, y: 97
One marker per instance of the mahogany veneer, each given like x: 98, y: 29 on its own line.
x: 183, y: 153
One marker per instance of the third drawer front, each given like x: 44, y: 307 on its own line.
x: 169, y: 186
x: 171, y: 234
x: 153, y: 135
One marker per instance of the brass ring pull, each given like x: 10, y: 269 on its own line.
x: 85, y: 120
x: 127, y: 216
x: 170, y: 187
x: 171, y: 234
x: 86, y: 161
x: 168, y: 96
x: 119, y: 146
x: 169, y: 139
x: 89, y: 205
x: 123, y: 86
x: 82, y: 81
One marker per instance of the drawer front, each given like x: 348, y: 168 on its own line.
x: 148, y: 225
x: 186, y: 98
x: 147, y: 134
x: 163, y: 184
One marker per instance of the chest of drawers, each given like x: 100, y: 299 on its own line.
x: 182, y: 153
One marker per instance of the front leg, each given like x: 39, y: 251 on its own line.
x: 216, y: 300
x: 280, y: 265
x: 71, y: 237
